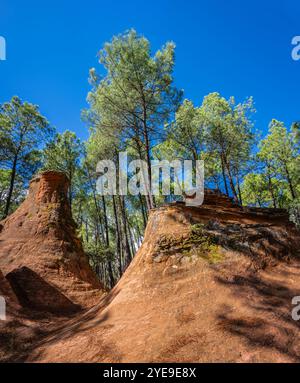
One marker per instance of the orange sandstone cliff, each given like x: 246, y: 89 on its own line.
x: 212, y: 283
x: 40, y: 253
x: 209, y: 284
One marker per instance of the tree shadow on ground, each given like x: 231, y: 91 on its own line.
x: 33, y: 330
x: 72, y: 328
x: 263, y: 313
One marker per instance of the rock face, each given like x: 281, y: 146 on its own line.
x: 264, y: 235
x: 34, y: 292
x: 212, y: 283
x: 40, y: 252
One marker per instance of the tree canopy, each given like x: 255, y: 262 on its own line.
x: 135, y: 106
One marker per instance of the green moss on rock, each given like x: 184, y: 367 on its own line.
x: 197, y: 242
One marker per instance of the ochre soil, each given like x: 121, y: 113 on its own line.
x: 40, y: 253
x: 209, y: 284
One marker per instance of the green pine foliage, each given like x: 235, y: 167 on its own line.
x: 136, y: 107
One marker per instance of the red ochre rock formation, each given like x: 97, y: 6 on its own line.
x: 212, y: 283
x: 40, y: 253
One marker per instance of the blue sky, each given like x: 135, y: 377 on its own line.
x: 233, y: 47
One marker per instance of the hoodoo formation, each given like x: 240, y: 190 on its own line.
x: 41, y: 255
x: 212, y: 283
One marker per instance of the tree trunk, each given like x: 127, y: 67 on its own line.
x: 118, y: 236
x: 111, y: 274
x: 144, y: 214
x: 109, y: 262
x: 148, y: 157
x: 96, y: 203
x: 11, y: 187
x: 105, y: 222
x: 126, y: 246
x: 150, y: 196
x: 231, y: 180
x: 239, y: 190
x: 272, y: 191
x: 224, y: 176
x: 290, y: 182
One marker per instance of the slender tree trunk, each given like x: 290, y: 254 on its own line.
x: 232, y: 186
x: 131, y: 241
x: 272, y: 191
x: 239, y: 190
x: 132, y: 252
x: 79, y: 215
x: 148, y: 157
x: 231, y: 180
x: 118, y: 235
x: 11, y: 187
x: 224, y: 176
x: 109, y: 263
x: 150, y: 196
x: 86, y: 231
x: 147, y: 196
x: 126, y: 246
x: 111, y: 274
x: 144, y: 214
x: 290, y: 182
x: 96, y: 203
x: 105, y: 222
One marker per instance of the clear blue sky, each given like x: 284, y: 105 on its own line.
x: 238, y: 48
